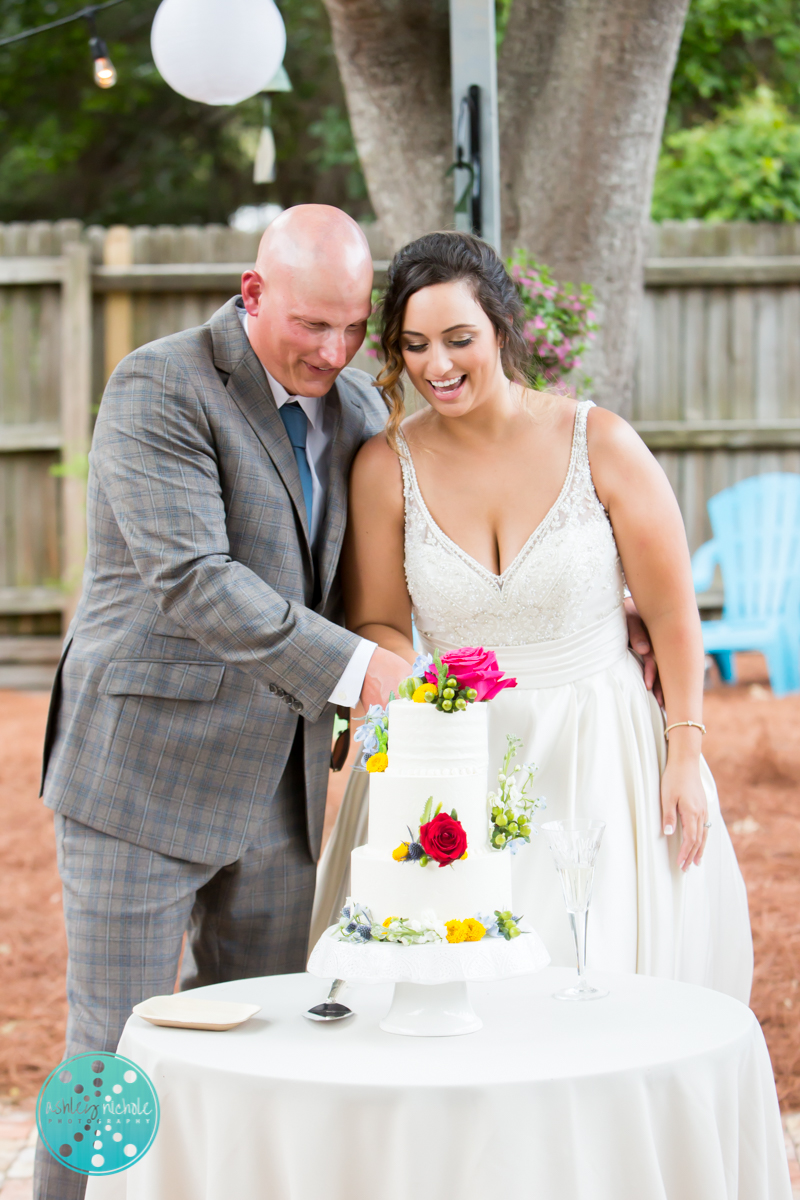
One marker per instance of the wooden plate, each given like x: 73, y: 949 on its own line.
x: 182, y: 1011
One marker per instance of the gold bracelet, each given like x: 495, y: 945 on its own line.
x: 694, y: 725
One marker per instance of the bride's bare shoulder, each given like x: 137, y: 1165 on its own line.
x: 618, y: 457
x: 376, y: 474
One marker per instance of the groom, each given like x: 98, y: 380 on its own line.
x: 189, y: 736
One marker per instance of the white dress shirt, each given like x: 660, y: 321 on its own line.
x: 318, y: 452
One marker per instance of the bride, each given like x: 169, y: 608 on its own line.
x: 513, y: 519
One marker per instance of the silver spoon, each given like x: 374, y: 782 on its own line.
x: 329, y: 1010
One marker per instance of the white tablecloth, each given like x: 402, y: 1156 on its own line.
x: 662, y: 1091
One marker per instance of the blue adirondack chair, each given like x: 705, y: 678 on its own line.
x: 756, y: 542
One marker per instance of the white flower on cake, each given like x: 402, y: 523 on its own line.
x: 357, y: 925
x: 511, y: 806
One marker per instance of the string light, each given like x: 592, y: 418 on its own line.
x: 105, y: 75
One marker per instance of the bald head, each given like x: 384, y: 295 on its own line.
x: 308, y: 297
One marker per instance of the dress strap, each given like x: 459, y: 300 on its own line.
x: 407, y: 467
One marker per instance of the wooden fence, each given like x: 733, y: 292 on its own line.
x: 717, y: 392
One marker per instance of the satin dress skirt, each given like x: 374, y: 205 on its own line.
x: 596, y: 734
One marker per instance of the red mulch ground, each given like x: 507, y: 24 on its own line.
x: 753, y: 746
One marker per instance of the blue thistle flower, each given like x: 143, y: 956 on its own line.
x: 364, y: 932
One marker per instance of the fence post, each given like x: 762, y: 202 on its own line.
x: 76, y: 362
x: 117, y: 252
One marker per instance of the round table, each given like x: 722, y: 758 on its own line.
x: 662, y: 1091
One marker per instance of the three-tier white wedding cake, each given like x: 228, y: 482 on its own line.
x: 428, y: 856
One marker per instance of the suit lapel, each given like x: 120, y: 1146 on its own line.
x: 347, y: 437
x: 248, y: 387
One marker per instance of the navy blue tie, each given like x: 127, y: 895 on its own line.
x: 296, y: 423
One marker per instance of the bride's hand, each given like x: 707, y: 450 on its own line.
x: 682, y: 792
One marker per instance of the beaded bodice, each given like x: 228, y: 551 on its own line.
x: 567, y: 575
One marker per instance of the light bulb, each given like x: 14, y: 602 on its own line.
x: 105, y: 75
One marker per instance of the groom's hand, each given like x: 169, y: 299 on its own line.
x: 383, y: 676
x: 639, y: 640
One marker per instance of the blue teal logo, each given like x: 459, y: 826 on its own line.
x: 97, y: 1113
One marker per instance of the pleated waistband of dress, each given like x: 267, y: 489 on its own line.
x: 563, y: 660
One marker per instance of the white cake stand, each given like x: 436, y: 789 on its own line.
x: 430, y: 981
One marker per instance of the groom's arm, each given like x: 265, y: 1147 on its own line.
x: 153, y: 454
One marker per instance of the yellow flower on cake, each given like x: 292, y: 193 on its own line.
x: 388, y: 922
x: 456, y: 931
x: 474, y: 931
x: 400, y: 852
x: 378, y: 762
x: 424, y: 689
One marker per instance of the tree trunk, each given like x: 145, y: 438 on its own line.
x: 584, y: 86
x: 583, y: 92
x: 394, y: 60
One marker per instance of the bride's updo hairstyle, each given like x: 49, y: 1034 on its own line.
x: 446, y: 258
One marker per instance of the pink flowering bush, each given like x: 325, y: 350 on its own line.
x: 559, y: 322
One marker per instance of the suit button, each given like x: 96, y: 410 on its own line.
x: 273, y: 687
x: 280, y: 692
x: 297, y: 706
x: 288, y: 700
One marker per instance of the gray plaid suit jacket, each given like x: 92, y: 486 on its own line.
x: 205, y: 632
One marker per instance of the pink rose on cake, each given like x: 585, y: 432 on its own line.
x: 443, y: 839
x: 476, y: 668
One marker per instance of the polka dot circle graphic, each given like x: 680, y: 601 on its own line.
x: 109, y: 1101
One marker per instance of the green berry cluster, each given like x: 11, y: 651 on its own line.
x: 507, y: 825
x: 450, y: 697
x: 507, y: 925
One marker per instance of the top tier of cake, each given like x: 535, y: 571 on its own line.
x: 423, y: 741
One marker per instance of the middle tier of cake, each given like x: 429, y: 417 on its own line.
x: 396, y: 805
x: 405, y: 889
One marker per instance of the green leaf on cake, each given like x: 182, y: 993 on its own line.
x: 426, y: 812
x: 441, y: 670
x: 454, y: 814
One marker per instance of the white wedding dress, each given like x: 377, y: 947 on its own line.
x: 556, y: 623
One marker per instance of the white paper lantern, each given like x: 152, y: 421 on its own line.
x: 218, y: 51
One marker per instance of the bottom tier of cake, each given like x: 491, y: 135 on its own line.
x: 402, y: 889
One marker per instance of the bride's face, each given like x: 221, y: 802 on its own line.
x: 450, y: 349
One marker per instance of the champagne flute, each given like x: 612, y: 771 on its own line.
x: 574, y: 845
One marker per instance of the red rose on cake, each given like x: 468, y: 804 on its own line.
x: 443, y: 839
x: 476, y: 668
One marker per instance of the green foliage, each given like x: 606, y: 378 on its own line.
x: 139, y: 153
x: 743, y: 166
x: 728, y: 48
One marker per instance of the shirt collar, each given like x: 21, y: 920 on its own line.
x: 311, y: 405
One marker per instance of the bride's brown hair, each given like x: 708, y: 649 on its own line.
x: 445, y: 258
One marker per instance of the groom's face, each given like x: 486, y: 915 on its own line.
x: 304, y: 326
